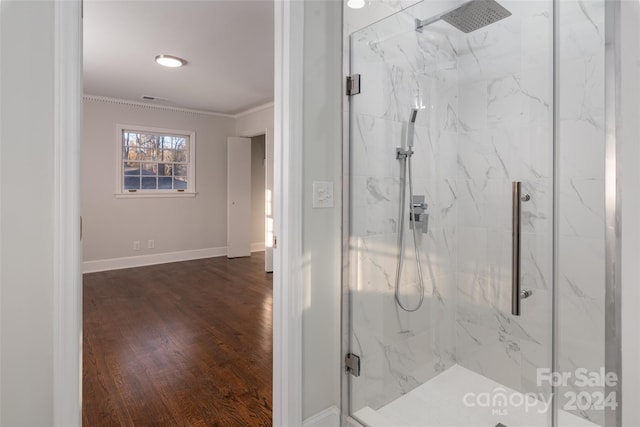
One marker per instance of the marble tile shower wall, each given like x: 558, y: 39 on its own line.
x: 399, y: 71
x: 505, y: 134
x: 581, y: 258
x: 487, y: 121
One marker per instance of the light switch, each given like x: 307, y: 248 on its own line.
x: 322, y: 194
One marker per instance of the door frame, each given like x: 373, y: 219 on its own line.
x: 67, y: 249
x: 67, y: 286
x: 287, y: 212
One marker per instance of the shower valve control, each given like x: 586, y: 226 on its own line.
x: 417, y: 213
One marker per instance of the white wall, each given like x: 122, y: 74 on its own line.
x: 255, y: 122
x: 27, y: 214
x: 629, y: 136
x: 257, y: 191
x: 321, y: 240
x: 176, y: 224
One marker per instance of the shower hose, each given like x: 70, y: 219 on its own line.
x: 406, y: 167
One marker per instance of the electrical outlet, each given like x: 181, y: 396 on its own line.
x: 151, y: 244
x: 136, y: 245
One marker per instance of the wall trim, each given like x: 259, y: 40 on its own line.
x: 67, y: 249
x: 253, y: 110
x: 152, y: 259
x: 257, y: 247
x: 287, y: 219
x: 160, y: 107
x: 330, y: 417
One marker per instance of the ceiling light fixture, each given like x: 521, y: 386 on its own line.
x: 170, y: 61
x: 356, y: 4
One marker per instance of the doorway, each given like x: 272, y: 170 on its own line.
x: 167, y: 228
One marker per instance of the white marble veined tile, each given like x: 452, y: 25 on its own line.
x: 581, y: 307
x: 473, y: 99
x: 481, y: 156
x: 498, y: 356
x: 509, y: 103
x: 490, y: 52
x: 402, y: 82
x: 582, y: 208
x: 484, y: 203
x: 536, y: 259
x: 582, y: 81
x: 537, y: 36
x: 357, y: 194
x: 536, y: 84
x: 485, y: 311
x: 534, y: 356
x: 373, y: 146
x: 581, y: 29
x: 581, y: 146
x: 434, y: 155
x: 537, y: 212
x: 582, y: 266
x: 530, y: 151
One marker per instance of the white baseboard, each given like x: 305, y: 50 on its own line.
x: 142, y: 260
x: 330, y: 417
x: 257, y: 247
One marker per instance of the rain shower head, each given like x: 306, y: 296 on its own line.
x: 469, y: 17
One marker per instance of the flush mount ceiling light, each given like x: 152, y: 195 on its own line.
x: 170, y: 61
x: 356, y: 4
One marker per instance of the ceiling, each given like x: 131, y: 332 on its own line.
x: 228, y: 46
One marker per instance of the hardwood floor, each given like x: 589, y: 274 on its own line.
x: 181, y: 344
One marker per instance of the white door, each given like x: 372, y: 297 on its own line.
x: 238, y: 197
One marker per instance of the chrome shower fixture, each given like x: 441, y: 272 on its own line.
x: 411, y: 126
x: 418, y: 218
x: 469, y: 17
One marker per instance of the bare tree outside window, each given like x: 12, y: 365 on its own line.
x: 154, y: 161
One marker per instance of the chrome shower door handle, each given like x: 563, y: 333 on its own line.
x: 516, y: 188
x: 517, y: 293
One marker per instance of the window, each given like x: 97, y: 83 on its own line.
x: 155, y: 161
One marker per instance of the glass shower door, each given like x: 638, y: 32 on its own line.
x: 455, y: 354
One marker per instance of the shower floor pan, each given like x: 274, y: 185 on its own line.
x: 458, y: 398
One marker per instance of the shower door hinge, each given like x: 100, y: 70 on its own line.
x: 353, y: 84
x: 352, y: 364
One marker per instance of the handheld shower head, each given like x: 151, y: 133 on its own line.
x: 413, y: 115
x: 410, y: 126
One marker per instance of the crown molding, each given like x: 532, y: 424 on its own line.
x: 127, y: 102
x: 254, y: 110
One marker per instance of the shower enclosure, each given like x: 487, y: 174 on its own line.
x: 459, y: 311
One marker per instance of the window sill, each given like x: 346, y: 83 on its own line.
x: 146, y: 195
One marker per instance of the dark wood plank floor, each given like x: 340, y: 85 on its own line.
x: 181, y: 344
